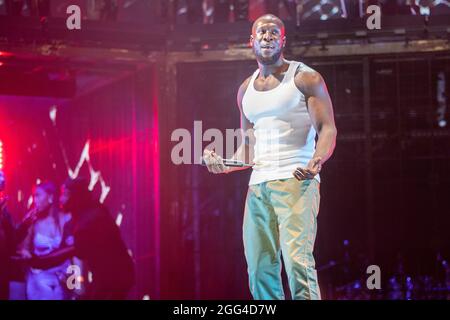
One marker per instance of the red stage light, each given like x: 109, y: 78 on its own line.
x: 1, y: 155
x: 5, y: 54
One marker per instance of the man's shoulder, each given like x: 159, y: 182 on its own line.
x: 303, y: 69
x: 307, y: 78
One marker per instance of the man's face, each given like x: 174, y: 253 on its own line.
x: 268, y: 41
x: 65, y: 199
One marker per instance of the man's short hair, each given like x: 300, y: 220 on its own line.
x: 78, y: 187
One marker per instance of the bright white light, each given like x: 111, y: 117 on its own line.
x: 119, y: 219
x: 30, y: 202
x: 95, y: 176
x: 1, y: 155
x: 84, y: 157
x: 52, y: 114
x: 425, y: 11
x: 105, y: 190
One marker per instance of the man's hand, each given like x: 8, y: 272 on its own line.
x: 314, y: 166
x: 214, y: 162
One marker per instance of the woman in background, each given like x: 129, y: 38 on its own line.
x: 44, y: 236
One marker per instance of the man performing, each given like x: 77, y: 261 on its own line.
x: 282, y: 106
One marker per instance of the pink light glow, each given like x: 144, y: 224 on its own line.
x: 1, y: 155
x: 156, y: 175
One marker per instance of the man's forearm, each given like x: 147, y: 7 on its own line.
x: 326, y: 143
x: 53, y: 259
x: 243, y: 153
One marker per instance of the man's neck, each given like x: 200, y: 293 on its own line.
x: 266, y: 70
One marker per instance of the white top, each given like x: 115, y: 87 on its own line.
x: 285, y: 136
x: 49, y: 284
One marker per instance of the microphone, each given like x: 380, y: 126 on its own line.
x: 232, y: 163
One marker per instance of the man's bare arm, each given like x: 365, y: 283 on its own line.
x: 245, y: 150
x: 53, y: 259
x: 320, y: 109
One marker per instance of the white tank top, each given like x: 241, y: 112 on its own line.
x: 285, y: 136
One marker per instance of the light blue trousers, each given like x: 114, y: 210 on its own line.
x: 281, y: 218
